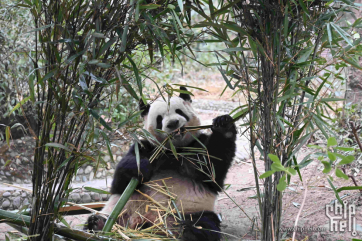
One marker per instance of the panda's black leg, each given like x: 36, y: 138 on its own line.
x: 201, y: 226
x: 94, y: 223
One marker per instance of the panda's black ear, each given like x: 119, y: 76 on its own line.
x: 184, y: 96
x: 143, y: 107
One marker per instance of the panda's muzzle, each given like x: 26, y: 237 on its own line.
x: 179, y: 132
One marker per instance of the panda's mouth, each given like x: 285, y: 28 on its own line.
x: 179, y: 133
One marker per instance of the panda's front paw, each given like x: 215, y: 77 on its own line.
x: 95, y: 223
x: 224, y: 124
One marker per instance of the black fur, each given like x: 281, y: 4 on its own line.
x: 203, y: 226
x: 143, y: 107
x: 184, y: 96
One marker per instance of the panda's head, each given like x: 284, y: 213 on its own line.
x: 171, y: 118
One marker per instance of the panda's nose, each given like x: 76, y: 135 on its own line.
x: 173, y: 124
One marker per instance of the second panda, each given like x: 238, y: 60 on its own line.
x: 187, y: 177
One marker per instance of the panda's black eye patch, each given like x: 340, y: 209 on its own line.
x: 159, y: 122
x: 181, y: 113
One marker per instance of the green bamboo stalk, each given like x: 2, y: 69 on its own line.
x: 120, y: 204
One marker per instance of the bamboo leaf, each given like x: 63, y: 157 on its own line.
x: 136, y: 72
x: 340, y: 174
x: 100, y: 119
x: 346, y: 160
x: 100, y: 191
x: 58, y: 145
x: 331, y: 142
x: 335, y: 191
x: 349, y: 188
x: 266, y: 174
x: 17, y: 106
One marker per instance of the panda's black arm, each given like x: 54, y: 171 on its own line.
x: 127, y: 168
x: 220, y: 144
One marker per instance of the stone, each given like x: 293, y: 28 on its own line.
x: 106, y: 158
x: 7, y: 194
x: 111, y: 171
x: 98, y: 175
x: 91, y: 176
x: 13, y: 154
x: 109, y: 165
x: 18, y: 181
x: 25, y: 159
x: 95, y: 197
x: 2, y: 173
x: 77, y: 179
x: 17, y: 193
x: 75, y: 197
x: 2, y: 161
x: 88, y: 169
x: 27, y: 181
x: 80, y: 171
x: 8, y: 174
x: 86, y: 198
x: 6, y: 204
x: 114, y: 157
x: 100, y: 169
x: 104, y: 173
x: 26, y: 202
x: 23, y: 194
x: 119, y: 158
x: 18, y: 162
x: 118, y: 152
x: 104, y: 197
x: 16, y: 202
x: 84, y: 179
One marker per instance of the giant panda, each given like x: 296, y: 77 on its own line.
x: 186, y: 177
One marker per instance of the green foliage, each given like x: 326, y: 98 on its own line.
x: 284, y: 56
x: 90, y: 62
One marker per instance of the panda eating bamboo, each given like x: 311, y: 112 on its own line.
x: 192, y: 180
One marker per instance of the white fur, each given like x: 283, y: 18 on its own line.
x: 168, y: 112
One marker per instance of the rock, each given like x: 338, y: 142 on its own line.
x: 104, y: 173
x: 80, y: 171
x: 118, y: 152
x: 13, y: 154
x: 2, y: 173
x: 26, y: 202
x: 18, y: 181
x: 91, y: 176
x: 25, y: 159
x: 23, y: 194
x: 77, y: 179
x: 106, y: 158
x: 104, y: 197
x: 119, y: 158
x: 95, y: 197
x: 114, y: 157
x: 18, y: 162
x: 86, y: 198
x: 74, y: 197
x: 100, y: 169
x: 88, y: 169
x: 111, y: 171
x: 27, y: 181
x: 7, y: 194
x: 6, y: 204
x: 16, y: 202
x: 98, y: 175
x: 84, y: 179
x: 17, y: 193
x: 8, y: 174
x: 109, y: 165
x: 2, y: 161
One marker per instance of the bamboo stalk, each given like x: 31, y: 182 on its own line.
x: 120, y: 204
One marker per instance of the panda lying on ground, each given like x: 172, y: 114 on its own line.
x: 196, y: 194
